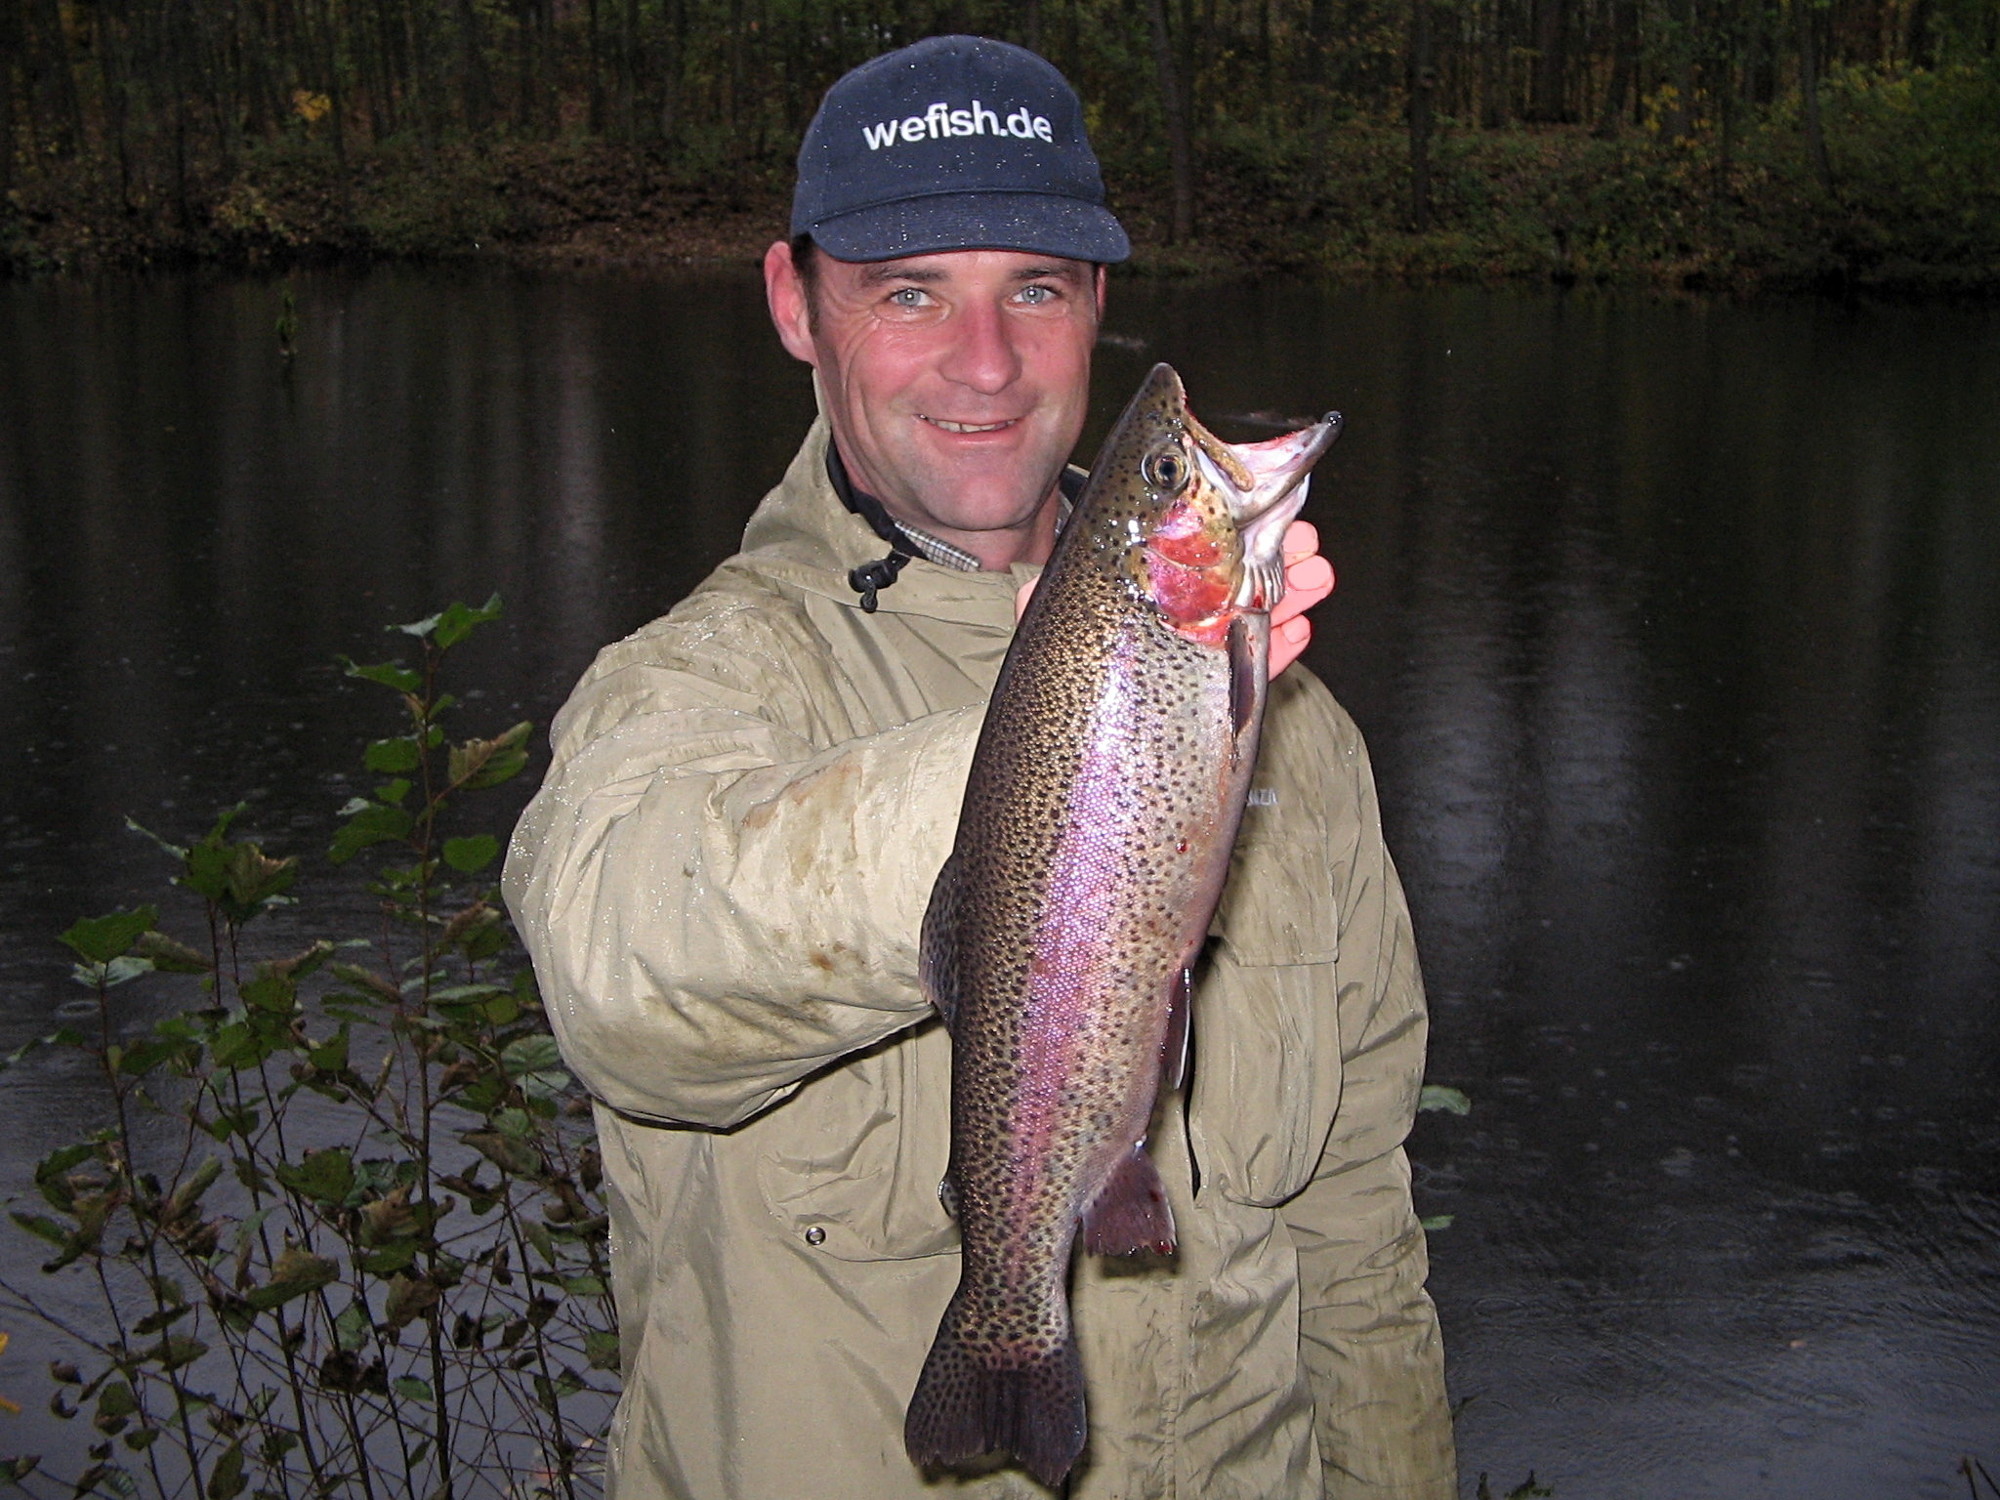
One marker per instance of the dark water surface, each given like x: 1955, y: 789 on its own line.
x: 1675, y: 630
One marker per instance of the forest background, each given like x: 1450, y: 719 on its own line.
x: 1735, y: 144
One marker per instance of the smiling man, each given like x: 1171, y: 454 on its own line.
x: 723, y: 877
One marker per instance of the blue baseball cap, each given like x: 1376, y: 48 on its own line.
x: 954, y: 143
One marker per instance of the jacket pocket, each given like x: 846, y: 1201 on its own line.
x: 850, y: 1164
x: 1267, y: 1070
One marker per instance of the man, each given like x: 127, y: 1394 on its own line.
x: 723, y: 878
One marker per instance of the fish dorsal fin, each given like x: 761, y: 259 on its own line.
x: 1243, y: 669
x: 937, y: 955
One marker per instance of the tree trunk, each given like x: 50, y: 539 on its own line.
x: 10, y: 49
x: 1549, y: 82
x: 1172, y: 107
x: 1809, y: 95
x: 1624, y: 65
x: 1423, y: 79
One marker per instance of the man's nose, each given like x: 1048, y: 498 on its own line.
x: 982, y: 355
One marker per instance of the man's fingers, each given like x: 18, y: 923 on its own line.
x: 1301, y: 541
x: 1307, y: 582
x: 1288, y: 642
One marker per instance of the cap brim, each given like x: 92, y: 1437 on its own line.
x: 1035, y: 223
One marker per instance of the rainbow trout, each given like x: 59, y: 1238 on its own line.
x: 1103, y: 802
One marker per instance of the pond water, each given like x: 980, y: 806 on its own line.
x: 1673, y: 626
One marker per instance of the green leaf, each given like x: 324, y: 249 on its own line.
x: 170, y: 956
x: 42, y: 1227
x: 98, y: 940
x: 225, y: 1480
x: 392, y: 756
x: 324, y: 1176
x: 391, y: 674
x: 351, y: 1328
x: 388, y: 1260
x: 531, y: 1054
x: 117, y: 1399
x: 177, y: 1350
x: 371, y: 823
x: 538, y: 1236
x: 297, y: 1272
x: 410, y: 1386
x: 507, y: 1154
x: 459, y: 621
x: 1436, y: 1222
x: 1437, y: 1096
x: 601, y: 1348
x: 468, y: 856
x: 408, y: 1299
x: 330, y: 1056
x: 166, y: 1318
x: 484, y: 763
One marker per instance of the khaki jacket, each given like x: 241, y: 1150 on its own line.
x: 721, y: 884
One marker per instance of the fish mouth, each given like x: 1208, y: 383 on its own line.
x: 1265, y: 486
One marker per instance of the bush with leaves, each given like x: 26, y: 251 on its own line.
x: 342, y: 1233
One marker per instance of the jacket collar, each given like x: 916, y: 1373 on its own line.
x: 804, y: 535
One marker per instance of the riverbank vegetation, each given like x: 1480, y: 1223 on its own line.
x: 1705, y: 142
x: 342, y: 1232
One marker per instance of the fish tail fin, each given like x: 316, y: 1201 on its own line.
x: 965, y: 1408
x: 1130, y: 1212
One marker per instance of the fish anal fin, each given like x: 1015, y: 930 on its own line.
x: 1130, y: 1213
x: 937, y: 947
x: 966, y: 1407
x: 1174, y: 1049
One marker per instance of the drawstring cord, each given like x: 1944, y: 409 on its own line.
x: 868, y: 579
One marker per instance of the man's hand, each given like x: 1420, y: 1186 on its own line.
x: 1308, y: 579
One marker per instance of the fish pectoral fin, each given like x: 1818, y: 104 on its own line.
x: 1130, y: 1213
x: 1245, y: 676
x: 937, y: 947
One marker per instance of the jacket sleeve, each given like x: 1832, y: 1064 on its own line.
x: 1368, y: 1331
x: 720, y: 883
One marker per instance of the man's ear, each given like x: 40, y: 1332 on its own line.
x: 785, y: 295
x: 1103, y: 281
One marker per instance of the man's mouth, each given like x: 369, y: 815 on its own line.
x: 968, y: 427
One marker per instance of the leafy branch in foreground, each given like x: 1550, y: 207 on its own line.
x: 342, y: 1232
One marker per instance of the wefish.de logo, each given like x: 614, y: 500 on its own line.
x: 942, y: 120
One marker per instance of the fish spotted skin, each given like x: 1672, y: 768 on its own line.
x: 1099, y: 816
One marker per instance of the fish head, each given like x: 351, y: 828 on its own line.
x: 1204, y: 521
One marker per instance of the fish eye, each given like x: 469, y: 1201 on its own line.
x: 1166, y: 469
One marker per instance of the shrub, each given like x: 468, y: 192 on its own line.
x: 342, y: 1230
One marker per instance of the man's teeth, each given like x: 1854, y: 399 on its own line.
x: 967, y: 426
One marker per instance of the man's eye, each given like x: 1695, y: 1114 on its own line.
x: 908, y: 296
x: 1035, y: 296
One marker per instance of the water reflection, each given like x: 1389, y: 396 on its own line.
x: 1672, y: 627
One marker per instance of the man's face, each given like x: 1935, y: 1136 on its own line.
x: 956, y: 383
